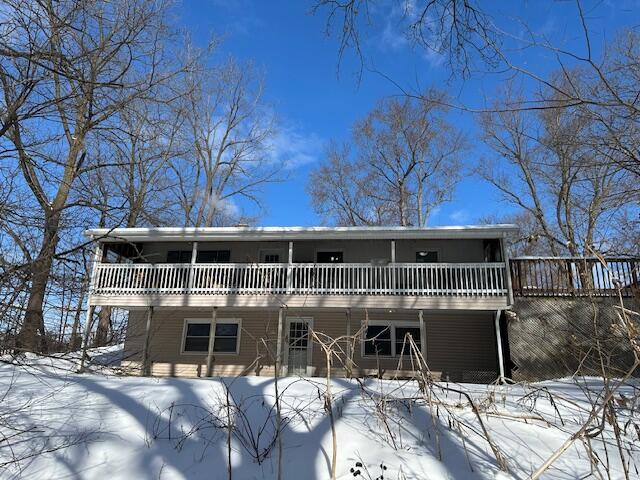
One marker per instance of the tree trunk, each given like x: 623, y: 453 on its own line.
x: 104, y: 325
x: 40, y: 272
x: 75, y: 340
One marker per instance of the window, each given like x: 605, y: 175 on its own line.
x: 227, y: 338
x: 179, y: 256
x: 271, y: 258
x: 400, y: 334
x: 378, y: 339
x: 197, y: 337
x: 213, y: 256
x: 426, y: 256
x: 492, y: 251
x: 329, y: 257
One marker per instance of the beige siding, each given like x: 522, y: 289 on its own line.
x: 461, y: 343
x: 354, y: 251
x: 456, y: 342
x: 241, y: 252
x: 455, y: 251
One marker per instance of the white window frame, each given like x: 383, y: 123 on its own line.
x: 392, y: 328
x: 309, y: 321
x: 187, y: 321
x: 272, y: 251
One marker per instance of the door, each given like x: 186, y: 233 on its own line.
x: 329, y: 257
x: 298, y: 345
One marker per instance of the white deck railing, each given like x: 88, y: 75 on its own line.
x: 459, y: 279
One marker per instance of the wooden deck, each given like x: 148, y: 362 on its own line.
x: 566, y: 277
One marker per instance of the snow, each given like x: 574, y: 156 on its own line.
x: 105, y: 425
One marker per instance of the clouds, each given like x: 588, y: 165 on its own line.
x: 397, y: 20
x: 459, y: 216
x: 293, y: 148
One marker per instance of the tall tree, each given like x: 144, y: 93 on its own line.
x: 226, y: 135
x: 83, y: 61
x: 546, y: 164
x: 406, y: 162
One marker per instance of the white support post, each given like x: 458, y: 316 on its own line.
x: 97, y: 258
x: 194, y: 252
x: 279, y: 342
x: 146, y: 365
x: 423, y: 336
x: 393, y: 266
x: 499, y: 340
x: 194, y: 256
x: 290, y: 267
x: 507, y: 268
x: 212, y: 340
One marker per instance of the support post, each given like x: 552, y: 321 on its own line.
x: 146, y: 364
x: 499, y: 340
x: 507, y: 268
x: 349, y: 363
x: 393, y: 266
x: 212, y: 340
x: 194, y: 256
x: 279, y: 341
x: 423, y: 336
x: 85, y: 337
x: 97, y: 258
x: 194, y: 252
x: 290, y: 267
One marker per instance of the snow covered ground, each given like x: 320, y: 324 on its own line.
x: 103, y: 425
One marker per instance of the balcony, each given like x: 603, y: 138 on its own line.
x: 308, y: 281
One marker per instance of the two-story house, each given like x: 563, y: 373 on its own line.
x: 243, y: 300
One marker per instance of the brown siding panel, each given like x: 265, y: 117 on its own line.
x: 458, y: 344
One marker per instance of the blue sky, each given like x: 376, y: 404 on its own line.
x: 314, y: 104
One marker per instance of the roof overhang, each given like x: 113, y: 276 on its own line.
x: 191, y: 234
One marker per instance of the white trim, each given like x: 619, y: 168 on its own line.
x: 270, y: 251
x: 392, y: 324
x: 188, y: 320
x: 288, y: 320
x: 164, y: 234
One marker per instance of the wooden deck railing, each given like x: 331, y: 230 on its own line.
x: 459, y: 279
x: 556, y: 277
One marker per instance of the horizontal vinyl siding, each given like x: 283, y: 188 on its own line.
x: 165, y: 343
x: 456, y: 342
x: 461, y: 343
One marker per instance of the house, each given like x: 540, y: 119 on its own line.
x: 243, y: 300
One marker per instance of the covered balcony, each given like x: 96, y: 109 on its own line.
x: 304, y: 271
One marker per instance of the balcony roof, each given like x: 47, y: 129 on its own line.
x: 189, y: 234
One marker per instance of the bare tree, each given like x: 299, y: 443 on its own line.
x: 545, y: 163
x: 134, y: 190
x: 87, y: 60
x: 226, y: 142
x: 459, y: 29
x: 406, y: 163
x: 338, y: 188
